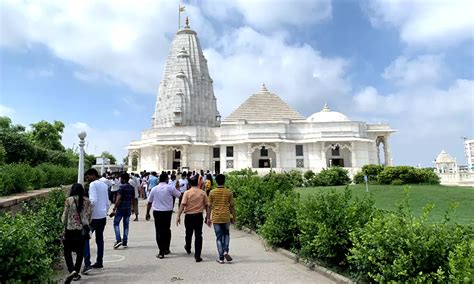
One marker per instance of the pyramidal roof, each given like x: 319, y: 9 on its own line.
x: 263, y: 106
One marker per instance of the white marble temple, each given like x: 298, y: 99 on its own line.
x: 262, y: 133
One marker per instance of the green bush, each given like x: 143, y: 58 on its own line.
x: 407, y: 175
x: 16, y: 178
x: 281, y: 227
x: 308, y: 177
x: 23, y: 256
x: 398, y: 247
x: 253, y: 193
x: 371, y: 171
x: 295, y: 177
x: 326, y: 221
x: 29, y: 241
x: 331, y: 177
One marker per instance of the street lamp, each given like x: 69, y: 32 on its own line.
x: 80, y: 171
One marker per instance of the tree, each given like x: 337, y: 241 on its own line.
x: 16, y: 143
x: 48, y: 135
x: 109, y: 156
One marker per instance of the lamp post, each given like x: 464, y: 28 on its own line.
x: 80, y: 171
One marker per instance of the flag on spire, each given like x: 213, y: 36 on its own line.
x: 181, y: 8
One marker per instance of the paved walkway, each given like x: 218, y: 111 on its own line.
x: 138, y: 263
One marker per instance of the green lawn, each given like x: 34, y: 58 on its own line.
x: 387, y: 196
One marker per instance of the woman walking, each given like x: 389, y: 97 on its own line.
x: 76, y: 218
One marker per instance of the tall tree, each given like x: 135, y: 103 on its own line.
x: 109, y: 156
x: 16, y: 143
x: 48, y: 135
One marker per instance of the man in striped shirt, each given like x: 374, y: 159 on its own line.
x: 221, y: 203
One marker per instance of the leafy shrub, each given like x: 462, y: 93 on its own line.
x: 281, y: 227
x: 23, y: 256
x: 371, y: 171
x: 243, y: 172
x: 407, y: 175
x: 326, y: 221
x: 295, y: 177
x: 308, y: 177
x: 29, y: 241
x: 16, y: 178
x: 398, y: 247
x: 253, y: 193
x: 331, y: 177
x: 427, y: 176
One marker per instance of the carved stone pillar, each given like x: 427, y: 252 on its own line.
x: 249, y: 155
x: 323, y: 156
x: 388, y: 153
x: 353, y: 155
x: 184, y: 157
x: 130, y: 161
x: 278, y: 156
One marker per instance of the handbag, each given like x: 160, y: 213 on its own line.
x: 85, y: 228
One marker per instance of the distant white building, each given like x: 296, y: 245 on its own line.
x: 445, y: 163
x: 469, y: 153
x: 263, y: 132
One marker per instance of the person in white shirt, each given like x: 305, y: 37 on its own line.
x: 183, y: 186
x: 98, y: 197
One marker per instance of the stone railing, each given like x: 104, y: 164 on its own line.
x: 462, y: 179
x: 13, y: 203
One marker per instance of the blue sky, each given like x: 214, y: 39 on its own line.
x: 96, y: 66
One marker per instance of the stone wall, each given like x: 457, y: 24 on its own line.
x: 13, y: 203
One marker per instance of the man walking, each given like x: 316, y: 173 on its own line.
x: 221, y: 202
x: 193, y: 204
x: 183, y: 186
x: 123, y: 210
x: 161, y: 199
x: 98, y: 197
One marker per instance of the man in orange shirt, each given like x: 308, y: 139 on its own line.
x: 193, y: 204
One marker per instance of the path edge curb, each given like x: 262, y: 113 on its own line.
x: 338, y: 278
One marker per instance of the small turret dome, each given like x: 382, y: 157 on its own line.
x: 327, y: 115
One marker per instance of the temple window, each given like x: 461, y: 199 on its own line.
x: 335, y: 151
x: 264, y: 152
x: 299, y: 150
x: 230, y: 151
x: 216, y: 152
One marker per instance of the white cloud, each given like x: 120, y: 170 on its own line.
x: 6, y: 111
x: 366, y: 99
x: 270, y: 14
x: 99, y: 140
x: 250, y: 58
x: 420, y: 71
x: 432, y: 23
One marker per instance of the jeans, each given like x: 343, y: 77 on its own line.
x: 163, y: 231
x: 222, y: 238
x: 193, y: 224
x: 126, y: 221
x: 74, y: 245
x: 97, y: 226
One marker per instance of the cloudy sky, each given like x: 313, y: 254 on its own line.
x: 96, y: 65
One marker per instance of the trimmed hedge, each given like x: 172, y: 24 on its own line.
x: 397, y: 175
x: 29, y: 241
x: 327, y: 177
x: 16, y: 178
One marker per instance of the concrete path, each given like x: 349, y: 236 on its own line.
x: 138, y: 263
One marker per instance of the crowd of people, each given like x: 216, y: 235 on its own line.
x: 85, y: 212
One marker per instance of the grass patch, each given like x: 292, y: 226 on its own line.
x: 387, y: 196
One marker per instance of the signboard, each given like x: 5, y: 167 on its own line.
x: 365, y: 178
x: 102, y: 161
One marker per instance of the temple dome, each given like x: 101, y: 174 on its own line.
x: 327, y: 115
x: 444, y: 158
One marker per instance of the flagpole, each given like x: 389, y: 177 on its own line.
x: 179, y: 15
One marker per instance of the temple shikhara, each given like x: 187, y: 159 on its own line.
x: 263, y: 133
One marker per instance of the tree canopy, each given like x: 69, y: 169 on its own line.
x: 48, y: 135
x: 109, y: 156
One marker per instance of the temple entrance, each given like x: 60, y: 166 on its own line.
x: 337, y: 163
x: 263, y: 158
x: 380, y: 144
x: 217, y: 167
x: 176, y: 159
x: 338, y: 155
